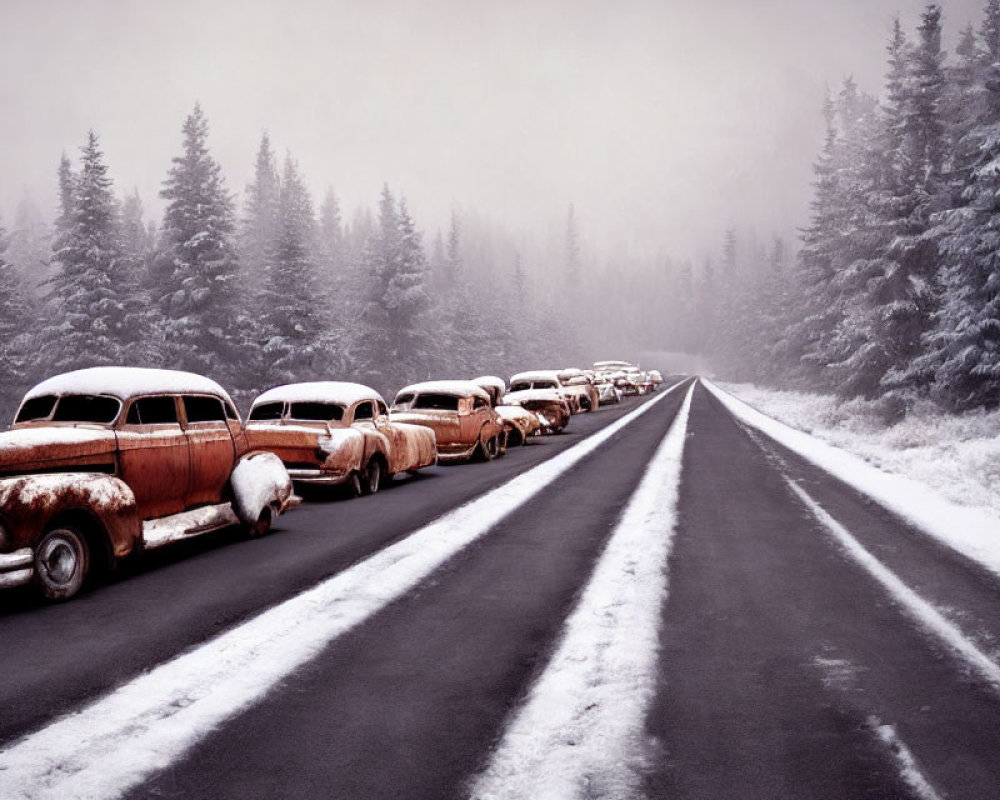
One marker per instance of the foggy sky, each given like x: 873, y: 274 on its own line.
x: 662, y: 121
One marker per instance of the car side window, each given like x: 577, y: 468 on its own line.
x: 364, y: 410
x: 199, y: 408
x: 480, y: 403
x: 152, y: 411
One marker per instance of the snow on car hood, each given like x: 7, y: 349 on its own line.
x: 526, y: 395
x: 513, y: 412
x: 53, y: 443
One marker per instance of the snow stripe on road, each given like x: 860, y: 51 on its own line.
x: 929, y: 618
x: 113, y: 744
x: 906, y: 764
x: 971, y: 531
x: 580, y: 730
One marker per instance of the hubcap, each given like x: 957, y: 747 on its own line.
x: 60, y: 561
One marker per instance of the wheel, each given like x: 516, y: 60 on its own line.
x: 493, y: 447
x: 372, y: 479
x: 62, y: 560
x: 354, y: 484
x: 262, y: 525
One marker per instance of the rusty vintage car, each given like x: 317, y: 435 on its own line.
x: 102, y: 463
x: 518, y: 422
x: 460, y: 414
x: 332, y: 432
x: 541, y: 394
x: 577, y: 382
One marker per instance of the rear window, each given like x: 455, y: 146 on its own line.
x: 36, y: 408
x: 203, y: 409
x: 444, y: 402
x: 266, y: 411
x: 316, y: 412
x: 86, y: 408
x: 152, y: 411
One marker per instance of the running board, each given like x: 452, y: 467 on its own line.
x: 165, y: 530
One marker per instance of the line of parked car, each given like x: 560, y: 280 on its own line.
x: 105, y: 463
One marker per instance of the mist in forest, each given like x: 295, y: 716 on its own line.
x: 573, y: 180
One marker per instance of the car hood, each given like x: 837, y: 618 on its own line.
x: 545, y: 395
x: 46, y: 447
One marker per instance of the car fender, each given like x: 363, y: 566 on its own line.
x: 259, y: 480
x: 343, y: 449
x: 29, y: 503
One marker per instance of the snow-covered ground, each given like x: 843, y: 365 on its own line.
x: 957, y: 456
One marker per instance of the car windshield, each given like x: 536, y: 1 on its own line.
x: 36, y: 408
x: 316, y: 412
x: 443, y: 402
x: 266, y: 411
x: 544, y: 385
x: 97, y: 409
x: 403, y: 402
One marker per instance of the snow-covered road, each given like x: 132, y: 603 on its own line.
x: 679, y: 598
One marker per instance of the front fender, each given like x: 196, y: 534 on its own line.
x: 29, y: 503
x: 260, y: 481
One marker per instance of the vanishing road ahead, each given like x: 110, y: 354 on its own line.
x: 662, y: 602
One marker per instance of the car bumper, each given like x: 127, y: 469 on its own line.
x: 317, y: 476
x: 17, y: 568
x: 455, y: 452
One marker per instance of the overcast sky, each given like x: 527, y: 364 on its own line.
x: 663, y: 121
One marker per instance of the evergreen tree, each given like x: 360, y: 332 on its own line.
x: 87, y: 290
x: 197, y: 280
x: 294, y: 308
x: 259, y: 231
x: 14, y: 365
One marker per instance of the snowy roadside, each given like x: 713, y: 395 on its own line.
x: 961, y: 514
x: 957, y: 456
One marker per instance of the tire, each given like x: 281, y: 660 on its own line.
x: 493, y: 447
x: 263, y: 524
x: 371, y: 481
x: 354, y: 484
x: 62, y: 561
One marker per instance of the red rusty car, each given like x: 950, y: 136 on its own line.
x: 105, y: 462
x: 330, y: 432
x: 460, y: 414
x: 542, y: 394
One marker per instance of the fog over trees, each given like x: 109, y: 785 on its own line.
x: 891, y: 292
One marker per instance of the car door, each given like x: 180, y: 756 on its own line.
x: 212, y: 449
x: 154, y: 458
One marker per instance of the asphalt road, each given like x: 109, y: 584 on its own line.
x: 786, y: 670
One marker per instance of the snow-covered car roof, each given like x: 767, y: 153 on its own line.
x: 126, y: 382
x: 491, y: 380
x: 458, y: 388
x: 341, y: 392
x: 537, y: 375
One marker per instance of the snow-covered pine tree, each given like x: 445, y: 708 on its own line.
x: 30, y: 247
x: 963, y: 348
x: 260, y: 223
x: 293, y: 307
x: 395, y: 344
x: 198, y: 287
x: 13, y: 341
x: 907, y: 295
x: 87, y: 291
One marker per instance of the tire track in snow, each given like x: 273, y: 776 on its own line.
x: 580, y: 732
x: 116, y: 742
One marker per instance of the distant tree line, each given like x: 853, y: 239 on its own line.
x: 273, y: 292
x: 895, y: 295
